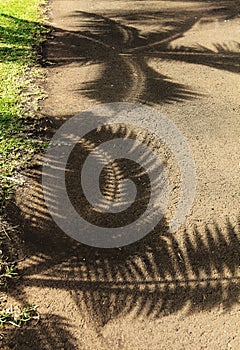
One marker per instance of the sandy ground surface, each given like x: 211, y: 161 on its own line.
x: 168, y: 291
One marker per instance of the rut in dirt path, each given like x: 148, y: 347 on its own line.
x: 123, y: 55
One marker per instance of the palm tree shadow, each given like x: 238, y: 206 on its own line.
x: 159, y: 275
x: 51, y: 332
x: 122, y: 53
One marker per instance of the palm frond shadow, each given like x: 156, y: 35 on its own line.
x: 51, y: 332
x: 161, y: 274
x: 167, y: 278
x: 122, y: 53
x: 158, y: 276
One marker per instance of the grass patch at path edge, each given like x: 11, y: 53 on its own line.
x: 21, y: 34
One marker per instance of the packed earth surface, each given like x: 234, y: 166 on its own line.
x: 169, y: 290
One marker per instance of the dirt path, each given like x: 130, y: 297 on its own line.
x: 168, y: 291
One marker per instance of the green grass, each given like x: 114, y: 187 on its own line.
x: 17, y: 317
x: 21, y: 33
x: 10, y: 253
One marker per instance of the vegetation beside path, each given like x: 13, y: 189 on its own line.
x: 22, y: 31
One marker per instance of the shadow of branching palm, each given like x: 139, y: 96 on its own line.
x: 123, y: 52
x: 160, y: 275
x: 196, y: 269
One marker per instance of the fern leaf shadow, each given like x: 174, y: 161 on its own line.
x: 197, y: 269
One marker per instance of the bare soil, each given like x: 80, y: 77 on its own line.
x: 167, y: 291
